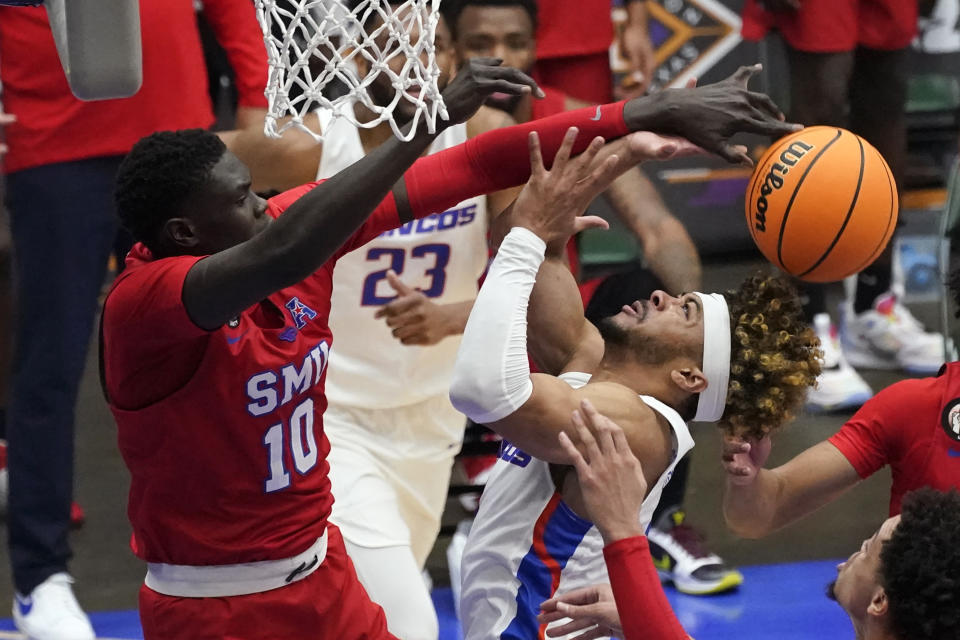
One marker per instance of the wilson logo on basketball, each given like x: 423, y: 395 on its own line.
x: 774, y: 180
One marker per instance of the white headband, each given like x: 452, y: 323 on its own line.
x: 716, y: 357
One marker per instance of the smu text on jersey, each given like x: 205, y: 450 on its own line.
x: 269, y: 389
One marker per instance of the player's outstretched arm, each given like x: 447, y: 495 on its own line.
x: 318, y: 224
x: 758, y: 501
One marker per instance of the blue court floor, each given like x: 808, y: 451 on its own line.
x: 784, y: 601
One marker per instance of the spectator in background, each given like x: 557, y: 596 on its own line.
x: 848, y: 68
x: 60, y: 167
x: 573, y: 48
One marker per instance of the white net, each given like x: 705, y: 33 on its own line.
x: 332, y: 54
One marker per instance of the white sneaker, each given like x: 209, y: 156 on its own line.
x: 51, y: 612
x: 889, y: 337
x: 839, y: 386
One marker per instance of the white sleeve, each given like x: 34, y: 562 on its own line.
x: 491, y: 378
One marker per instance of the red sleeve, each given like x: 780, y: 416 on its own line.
x: 643, y: 607
x: 498, y: 159
x: 235, y: 24
x: 872, y: 437
x: 163, y: 350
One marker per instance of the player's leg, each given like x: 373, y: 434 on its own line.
x: 62, y: 223
x: 393, y: 579
x: 882, y: 332
x: 373, y: 461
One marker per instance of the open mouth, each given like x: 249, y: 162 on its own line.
x: 636, y: 310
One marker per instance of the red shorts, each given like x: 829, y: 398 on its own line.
x: 587, y: 77
x: 329, y: 604
x: 834, y: 26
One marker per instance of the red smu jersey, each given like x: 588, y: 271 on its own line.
x: 914, y: 426
x: 573, y: 27
x: 230, y: 466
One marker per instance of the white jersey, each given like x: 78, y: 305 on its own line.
x: 443, y: 255
x: 526, y: 544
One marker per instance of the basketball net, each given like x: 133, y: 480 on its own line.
x: 315, y: 47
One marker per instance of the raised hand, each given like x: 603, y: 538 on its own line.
x: 611, y: 478
x: 590, y: 609
x: 709, y: 115
x: 413, y: 317
x: 477, y: 80
x: 743, y: 459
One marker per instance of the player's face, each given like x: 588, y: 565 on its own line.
x: 659, y: 328
x: 858, y: 579
x: 497, y: 32
x: 227, y: 212
x: 381, y: 90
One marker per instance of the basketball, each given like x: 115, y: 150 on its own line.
x: 822, y: 204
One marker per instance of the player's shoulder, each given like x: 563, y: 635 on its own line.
x: 625, y: 407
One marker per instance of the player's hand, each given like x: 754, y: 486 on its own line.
x: 552, y: 202
x: 611, y: 478
x: 788, y: 6
x: 413, y: 317
x: 638, y: 50
x: 709, y: 115
x: 590, y: 609
x: 743, y: 459
x: 476, y: 80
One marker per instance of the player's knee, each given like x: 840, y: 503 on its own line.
x: 415, y: 621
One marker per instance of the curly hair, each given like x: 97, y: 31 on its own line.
x: 451, y: 9
x: 774, y: 356
x: 920, y: 567
x: 161, y: 171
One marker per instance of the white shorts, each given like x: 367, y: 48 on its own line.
x: 390, y: 471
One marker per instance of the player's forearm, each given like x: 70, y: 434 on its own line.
x: 456, y: 315
x: 644, y: 609
x: 667, y: 247
x: 753, y: 510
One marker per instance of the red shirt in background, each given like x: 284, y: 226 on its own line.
x: 914, y: 426
x: 54, y: 126
x: 573, y: 28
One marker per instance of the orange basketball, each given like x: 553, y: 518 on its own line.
x: 822, y: 204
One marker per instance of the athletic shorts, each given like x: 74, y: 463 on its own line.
x: 835, y: 26
x: 390, y: 471
x: 329, y: 604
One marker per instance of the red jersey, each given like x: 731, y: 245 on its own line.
x: 54, y: 126
x: 237, y: 452
x: 914, y: 426
x: 573, y: 27
x: 222, y: 430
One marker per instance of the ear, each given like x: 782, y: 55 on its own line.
x: 689, y: 379
x: 180, y: 232
x: 879, y: 604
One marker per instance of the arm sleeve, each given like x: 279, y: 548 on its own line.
x: 871, y: 437
x: 235, y: 24
x: 644, y: 610
x: 491, y: 377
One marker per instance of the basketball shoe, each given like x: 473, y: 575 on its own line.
x: 680, y: 557
x: 77, y: 516
x: 839, y: 386
x: 889, y: 337
x: 51, y: 612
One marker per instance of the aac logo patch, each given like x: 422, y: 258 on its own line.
x: 950, y: 419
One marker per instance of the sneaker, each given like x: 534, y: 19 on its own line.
x: 839, y: 386
x: 889, y: 337
x: 51, y: 612
x: 77, y: 516
x: 680, y: 557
